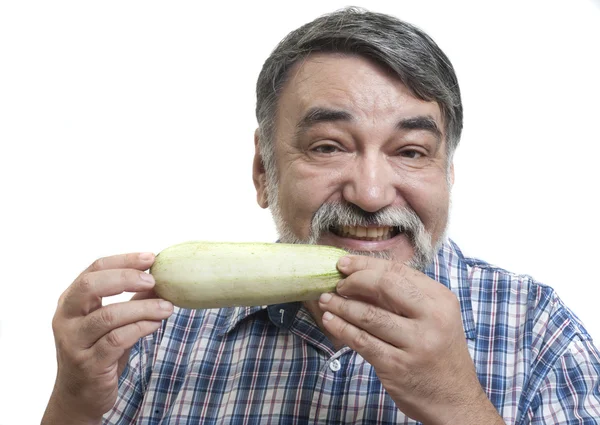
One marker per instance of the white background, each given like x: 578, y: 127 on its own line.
x: 128, y: 125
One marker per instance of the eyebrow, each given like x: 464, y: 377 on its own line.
x: 421, y: 122
x: 318, y: 115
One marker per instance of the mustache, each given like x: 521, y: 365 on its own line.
x: 345, y: 214
x: 332, y: 215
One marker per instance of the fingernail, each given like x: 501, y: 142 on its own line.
x: 343, y: 262
x: 327, y: 316
x: 325, y: 298
x: 147, y: 278
x: 146, y: 256
x: 165, y: 305
x: 340, y: 283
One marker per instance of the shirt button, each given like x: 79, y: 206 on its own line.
x: 335, y: 365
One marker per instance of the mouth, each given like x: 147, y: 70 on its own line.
x: 370, y: 233
x: 371, y: 239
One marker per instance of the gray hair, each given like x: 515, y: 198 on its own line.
x: 406, y: 50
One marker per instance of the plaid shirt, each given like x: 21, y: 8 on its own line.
x: 273, y: 365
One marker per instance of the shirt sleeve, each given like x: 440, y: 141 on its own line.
x: 570, y: 393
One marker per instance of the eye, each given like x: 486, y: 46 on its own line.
x: 325, y: 149
x: 411, y: 154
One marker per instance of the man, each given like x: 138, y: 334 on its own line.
x: 359, y: 117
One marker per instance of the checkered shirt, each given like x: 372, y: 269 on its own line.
x: 273, y: 365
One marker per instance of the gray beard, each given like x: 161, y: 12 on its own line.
x: 339, y: 214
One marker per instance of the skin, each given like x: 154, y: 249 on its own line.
x: 93, y: 342
x: 365, y: 161
x: 407, y: 326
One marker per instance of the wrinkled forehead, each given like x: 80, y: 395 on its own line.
x: 363, y: 88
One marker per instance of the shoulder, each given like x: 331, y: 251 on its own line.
x: 520, y: 300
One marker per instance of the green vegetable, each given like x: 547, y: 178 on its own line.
x: 220, y: 274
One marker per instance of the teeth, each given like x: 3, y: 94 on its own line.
x: 366, y: 233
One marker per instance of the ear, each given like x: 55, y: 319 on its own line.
x: 452, y: 174
x: 259, y: 175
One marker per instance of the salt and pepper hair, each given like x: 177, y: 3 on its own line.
x: 399, y: 46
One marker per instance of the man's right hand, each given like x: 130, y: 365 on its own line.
x: 93, y: 341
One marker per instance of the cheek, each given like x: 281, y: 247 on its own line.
x: 301, y: 194
x: 430, y: 198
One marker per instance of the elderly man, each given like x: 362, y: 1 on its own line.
x: 359, y: 117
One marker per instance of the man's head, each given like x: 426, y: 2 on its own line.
x: 359, y: 116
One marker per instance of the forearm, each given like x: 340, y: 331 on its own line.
x: 481, y: 411
x: 57, y: 413
x: 475, y: 418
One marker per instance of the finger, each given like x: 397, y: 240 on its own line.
x: 86, y: 293
x: 349, y: 264
x: 389, y: 289
x: 145, y: 295
x: 372, y: 349
x: 102, y: 321
x: 391, y: 328
x: 111, y: 347
x: 137, y: 260
x: 354, y: 263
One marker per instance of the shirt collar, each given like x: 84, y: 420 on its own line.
x: 448, y: 268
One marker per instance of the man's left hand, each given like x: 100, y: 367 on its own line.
x: 409, y: 328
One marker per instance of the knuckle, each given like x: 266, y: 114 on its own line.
x: 57, y: 325
x: 61, y: 302
x: 371, y: 316
x: 344, y: 329
x: 140, y: 330
x: 413, y: 292
x: 361, y: 340
x: 85, y: 283
x: 126, y: 275
x: 90, y: 325
x: 130, y: 258
x: 352, y: 284
x: 342, y: 306
x: 360, y: 262
x: 113, y: 339
x: 97, y: 265
x: 67, y: 348
x: 107, y: 317
x: 130, y: 276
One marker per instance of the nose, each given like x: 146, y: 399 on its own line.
x: 370, y: 184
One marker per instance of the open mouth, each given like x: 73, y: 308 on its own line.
x: 371, y: 233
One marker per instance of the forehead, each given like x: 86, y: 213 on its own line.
x: 352, y: 83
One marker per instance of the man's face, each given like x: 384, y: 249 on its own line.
x: 361, y: 162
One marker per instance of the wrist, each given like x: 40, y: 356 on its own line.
x: 479, y: 410
x: 58, y: 413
